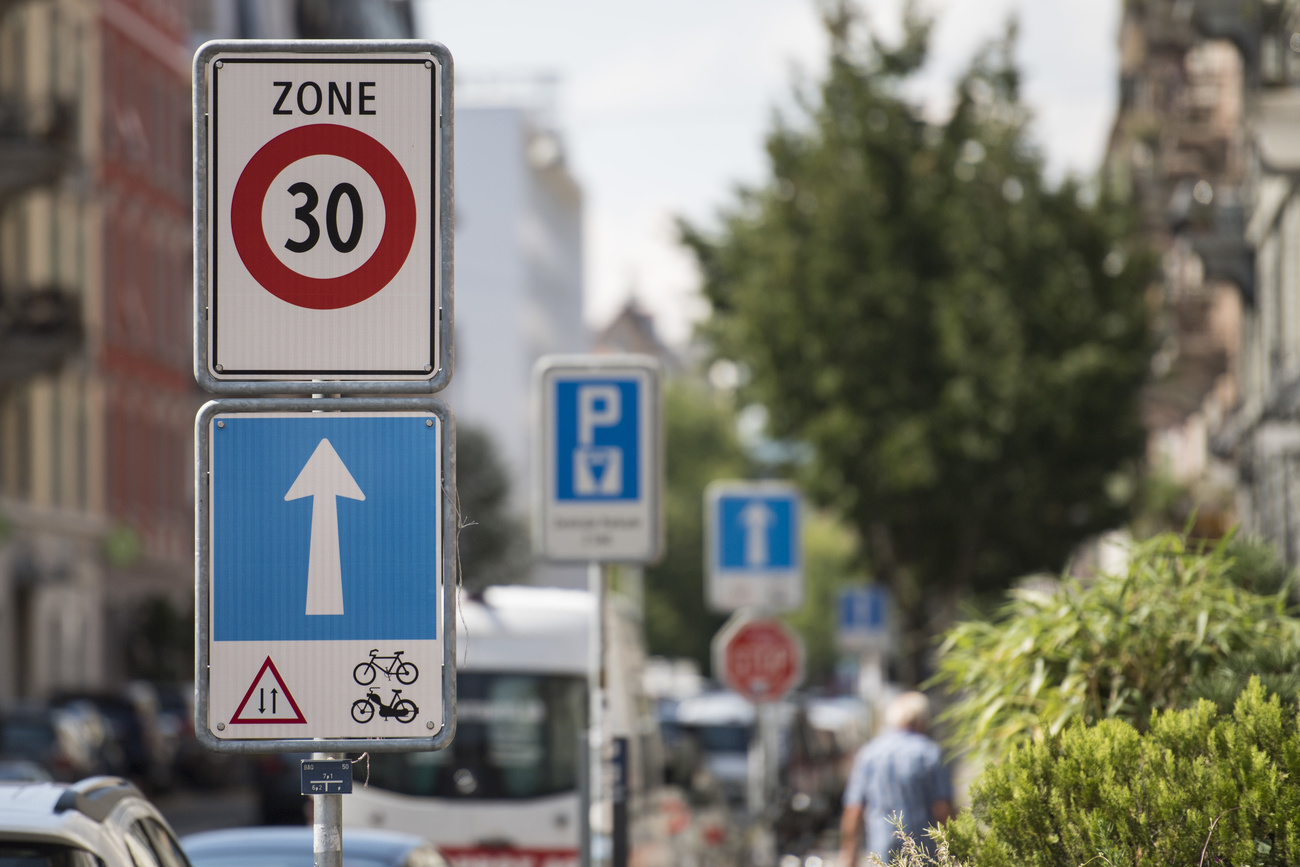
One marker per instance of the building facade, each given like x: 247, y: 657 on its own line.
x: 97, y: 395
x: 1208, y: 143
x: 97, y: 399
x: 518, y: 275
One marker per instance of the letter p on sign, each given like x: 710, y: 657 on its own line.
x: 598, y: 406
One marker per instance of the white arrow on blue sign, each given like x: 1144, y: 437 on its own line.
x: 753, y: 554
x: 325, y: 559
x: 597, y: 472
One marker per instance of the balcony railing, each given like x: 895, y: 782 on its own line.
x: 39, y: 329
x: 32, y: 156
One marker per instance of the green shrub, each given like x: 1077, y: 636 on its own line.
x: 1175, y: 625
x: 1198, y: 787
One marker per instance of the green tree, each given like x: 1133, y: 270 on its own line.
x: 493, y: 544
x: 701, y: 445
x: 959, y: 342
x: 1175, y: 625
x: 830, y: 563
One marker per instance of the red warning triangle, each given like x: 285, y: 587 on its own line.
x: 268, y: 700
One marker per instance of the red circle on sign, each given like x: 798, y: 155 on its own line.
x: 323, y: 293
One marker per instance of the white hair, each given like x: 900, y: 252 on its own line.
x: 911, y: 711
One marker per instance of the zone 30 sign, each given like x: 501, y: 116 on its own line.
x: 324, y: 232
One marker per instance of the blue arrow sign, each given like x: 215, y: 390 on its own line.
x: 757, y: 532
x: 325, y: 527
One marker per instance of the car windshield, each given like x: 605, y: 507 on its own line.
x: 516, y: 737
x: 274, y: 859
x: 723, y: 738
x: 20, y: 854
x: 25, y: 736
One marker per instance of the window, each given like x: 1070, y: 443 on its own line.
x: 516, y: 737
x: 15, y: 853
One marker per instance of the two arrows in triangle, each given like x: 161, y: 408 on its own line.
x: 268, y: 700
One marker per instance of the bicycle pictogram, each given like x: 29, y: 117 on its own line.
x: 404, y: 671
x: 401, y: 709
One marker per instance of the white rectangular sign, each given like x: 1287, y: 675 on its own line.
x: 753, y: 546
x: 598, y: 472
x: 324, y: 219
x: 324, y: 592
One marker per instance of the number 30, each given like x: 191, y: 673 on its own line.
x: 303, y: 214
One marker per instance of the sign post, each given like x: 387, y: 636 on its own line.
x: 598, y: 476
x: 323, y: 224
x: 762, y: 660
x: 864, y: 630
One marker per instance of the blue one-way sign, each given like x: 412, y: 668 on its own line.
x: 325, y: 527
x: 753, y: 555
x: 598, y: 462
x: 323, y: 539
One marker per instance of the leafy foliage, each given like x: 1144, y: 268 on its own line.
x: 1198, y: 788
x: 493, y: 543
x: 700, y: 445
x: 961, y: 344
x: 1116, y: 646
x: 830, y: 563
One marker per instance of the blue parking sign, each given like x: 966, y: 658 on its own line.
x: 597, y: 439
x: 598, y: 459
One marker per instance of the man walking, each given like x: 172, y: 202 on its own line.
x: 900, y: 772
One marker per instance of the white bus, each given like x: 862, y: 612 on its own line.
x: 505, y: 793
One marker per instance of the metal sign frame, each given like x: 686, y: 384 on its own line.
x: 713, y: 574
x: 551, y: 366
x: 443, y: 207
x: 203, y: 576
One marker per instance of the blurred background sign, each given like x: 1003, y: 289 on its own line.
x: 759, y: 658
x: 597, y: 491
x: 863, y: 622
x: 753, y: 552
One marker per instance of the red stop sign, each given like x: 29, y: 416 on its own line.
x: 758, y: 658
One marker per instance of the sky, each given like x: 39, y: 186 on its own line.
x: 663, y: 106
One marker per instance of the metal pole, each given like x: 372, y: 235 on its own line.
x: 583, y: 738
x: 596, y: 737
x: 766, y: 853
x: 327, y: 825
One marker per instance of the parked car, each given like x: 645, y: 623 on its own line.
x: 716, y: 731
x: 23, y: 771
x: 292, y: 847
x: 133, y: 724
x: 98, y: 822
x: 61, y: 742
x: 193, y: 764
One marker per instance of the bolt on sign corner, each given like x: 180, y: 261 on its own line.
x: 325, y: 213
x: 598, y: 473
x: 323, y: 555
